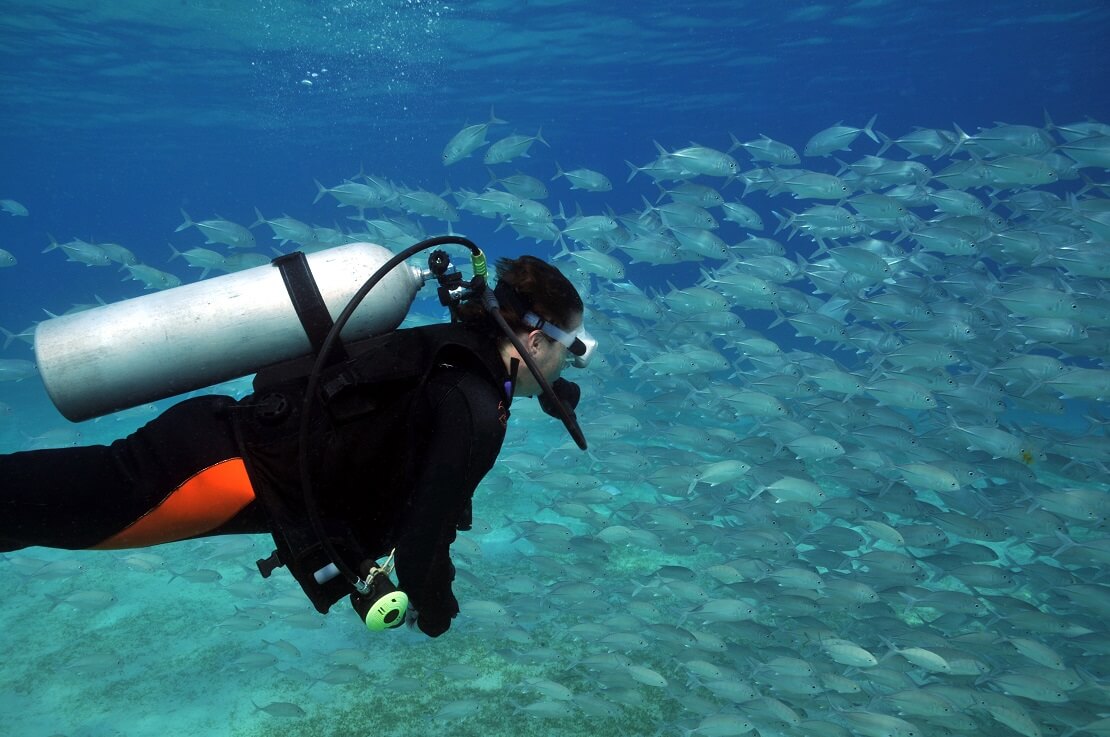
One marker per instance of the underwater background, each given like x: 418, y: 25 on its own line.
x: 825, y: 495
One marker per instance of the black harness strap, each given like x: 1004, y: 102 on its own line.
x: 307, y: 301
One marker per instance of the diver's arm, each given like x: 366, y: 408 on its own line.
x: 462, y: 444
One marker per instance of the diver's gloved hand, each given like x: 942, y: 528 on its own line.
x: 567, y: 392
x: 434, y: 622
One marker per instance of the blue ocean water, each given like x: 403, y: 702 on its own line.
x: 119, y: 115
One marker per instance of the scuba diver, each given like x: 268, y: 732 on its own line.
x: 367, y: 449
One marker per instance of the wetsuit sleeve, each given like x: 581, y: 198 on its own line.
x: 463, y: 440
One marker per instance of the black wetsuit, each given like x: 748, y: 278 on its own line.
x: 396, y: 456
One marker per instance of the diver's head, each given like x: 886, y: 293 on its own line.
x: 539, y: 313
x: 549, y: 354
x: 543, y: 310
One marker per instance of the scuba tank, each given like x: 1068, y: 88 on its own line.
x: 158, y: 345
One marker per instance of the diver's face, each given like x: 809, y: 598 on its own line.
x: 550, y: 356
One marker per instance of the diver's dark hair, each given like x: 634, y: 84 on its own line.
x: 542, y: 289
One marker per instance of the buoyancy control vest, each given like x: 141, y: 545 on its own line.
x: 365, y: 449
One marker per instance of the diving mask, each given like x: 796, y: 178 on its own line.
x: 580, y: 343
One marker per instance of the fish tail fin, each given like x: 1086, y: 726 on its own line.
x: 892, y: 647
x: 663, y: 192
x: 514, y: 525
x: 779, y: 320
x: 1066, y: 543
x: 789, y: 221
x: 887, y: 142
x: 187, y: 224
x: 803, y: 264
x: 868, y: 128
x: 735, y: 143
x: 637, y: 362
x: 260, y: 221
x: 563, y: 251
x: 634, y: 169
x: 906, y: 224
x: 559, y: 172
x: 1088, y: 185
x: 53, y: 244
x: 961, y: 138
x: 176, y: 252
x: 1034, y: 387
x: 321, y: 190
x: 821, y: 247
x: 783, y: 221
x: 539, y: 137
x: 494, y: 120
x: 952, y: 419
x: 877, y: 369
x: 706, y: 277
x: 1048, y: 124
x: 9, y: 336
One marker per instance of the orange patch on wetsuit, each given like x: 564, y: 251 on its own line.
x: 206, y: 500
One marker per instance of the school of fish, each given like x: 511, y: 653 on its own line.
x: 847, y: 471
